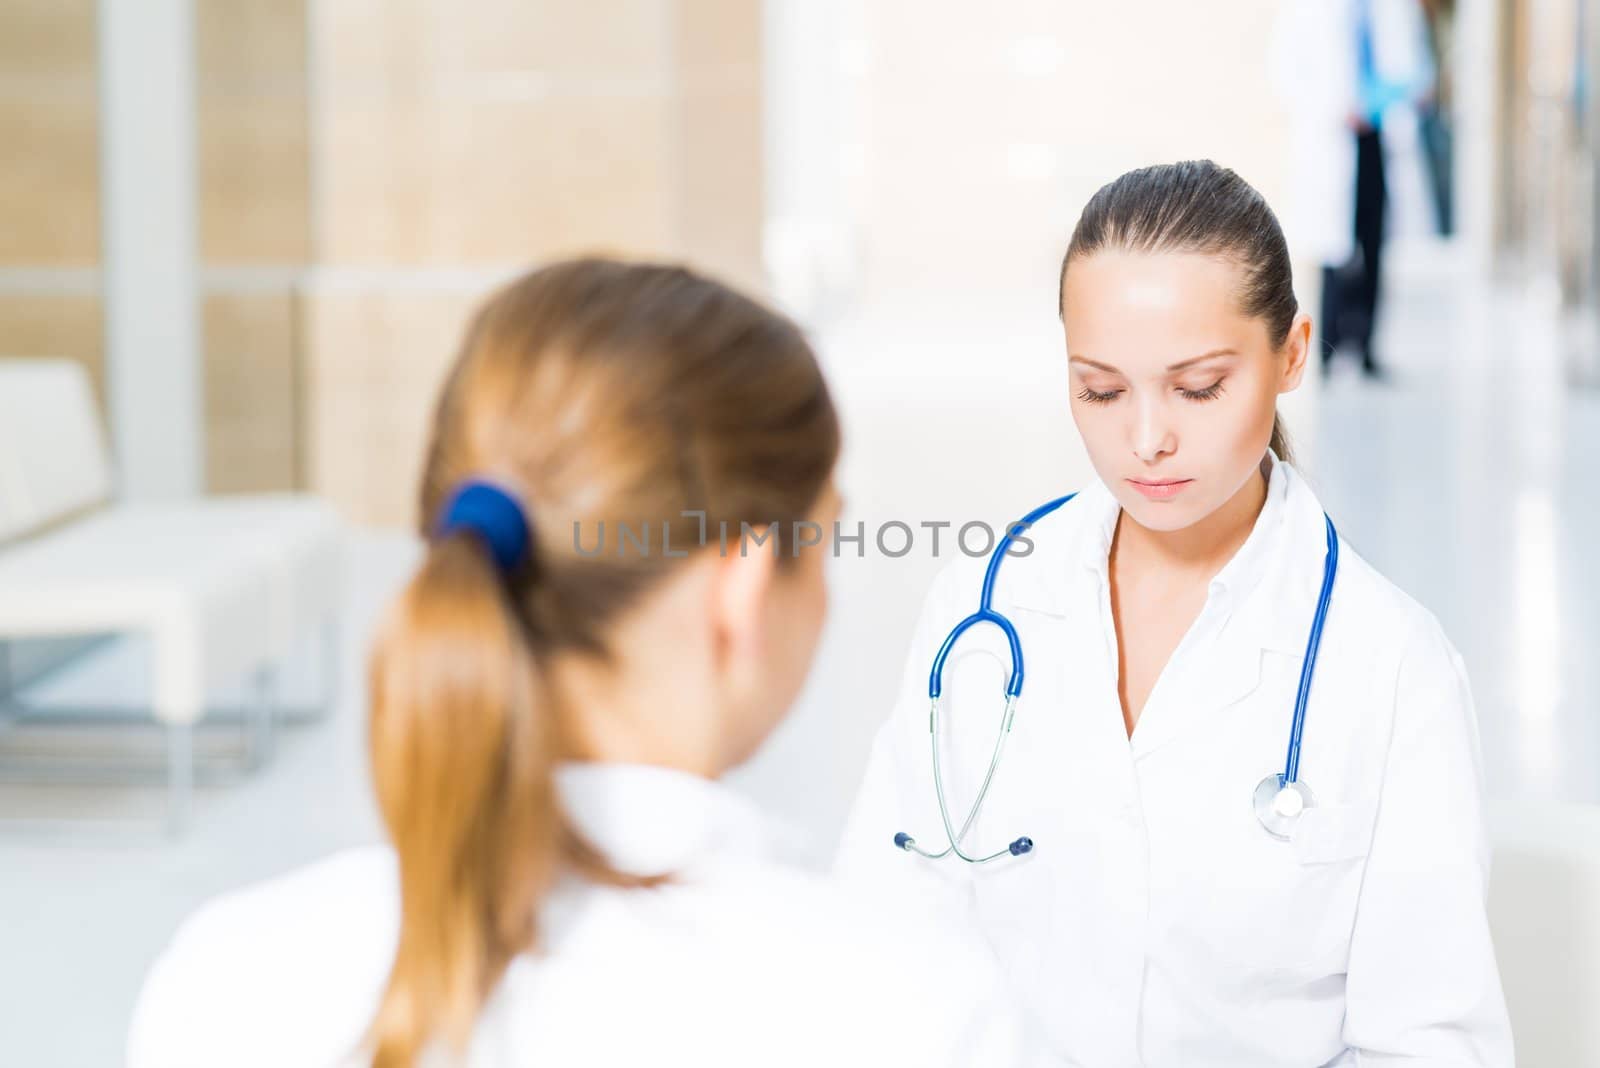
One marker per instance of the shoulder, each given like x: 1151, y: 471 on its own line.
x: 862, y: 965
x: 1370, y: 617
x: 729, y: 956
x: 1387, y: 622
x: 313, y: 945
x: 786, y: 919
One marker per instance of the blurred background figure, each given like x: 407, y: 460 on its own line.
x: 1352, y: 70
x: 243, y: 236
x: 1436, y: 112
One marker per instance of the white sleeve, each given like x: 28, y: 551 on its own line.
x: 897, y: 795
x: 1423, y: 987
x: 170, y: 1009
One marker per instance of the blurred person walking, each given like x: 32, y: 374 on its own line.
x: 1345, y: 67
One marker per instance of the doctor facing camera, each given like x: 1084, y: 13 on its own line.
x: 1206, y: 782
x: 552, y: 703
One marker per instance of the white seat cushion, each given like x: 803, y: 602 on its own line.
x: 298, y: 538
x: 203, y: 599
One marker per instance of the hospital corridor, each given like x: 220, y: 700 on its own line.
x: 260, y: 332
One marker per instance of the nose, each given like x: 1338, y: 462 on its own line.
x: 1152, y: 434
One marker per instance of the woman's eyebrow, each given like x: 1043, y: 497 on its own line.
x: 1191, y: 361
x: 1181, y: 365
x: 1093, y: 363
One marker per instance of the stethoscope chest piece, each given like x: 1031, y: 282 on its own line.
x: 1279, y: 804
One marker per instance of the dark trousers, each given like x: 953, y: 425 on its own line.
x: 1350, y: 291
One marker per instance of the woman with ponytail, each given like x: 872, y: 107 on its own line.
x: 553, y: 697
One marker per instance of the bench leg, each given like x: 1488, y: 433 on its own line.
x: 180, y: 777
x: 328, y: 670
x: 263, y: 716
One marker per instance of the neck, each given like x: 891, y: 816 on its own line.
x: 611, y: 715
x: 1202, y: 548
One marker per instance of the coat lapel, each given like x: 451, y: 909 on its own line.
x: 1274, y: 619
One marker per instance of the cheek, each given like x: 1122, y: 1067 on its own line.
x: 1096, y: 424
x: 1248, y: 398
x: 1257, y: 406
x: 1227, y: 422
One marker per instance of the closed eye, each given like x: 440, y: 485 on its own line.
x: 1211, y: 392
x: 1089, y: 396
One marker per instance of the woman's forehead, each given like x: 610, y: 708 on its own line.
x: 1161, y: 306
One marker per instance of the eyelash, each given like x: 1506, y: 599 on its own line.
x: 1211, y: 392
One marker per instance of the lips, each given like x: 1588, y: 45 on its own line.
x: 1162, y: 489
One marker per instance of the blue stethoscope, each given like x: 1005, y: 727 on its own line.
x: 1278, y: 800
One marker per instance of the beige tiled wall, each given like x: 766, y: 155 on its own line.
x: 717, y: 111
x: 50, y: 179
x: 457, y: 142
x: 374, y: 361
x: 251, y: 390
x: 254, y: 158
x: 361, y: 164
x: 718, y: 209
x: 49, y: 182
x: 498, y: 180
x: 498, y: 133
x: 253, y: 137
x: 252, y: 61
x: 366, y: 169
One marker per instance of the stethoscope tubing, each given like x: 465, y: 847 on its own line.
x: 986, y: 614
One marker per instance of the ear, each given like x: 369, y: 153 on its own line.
x: 740, y: 583
x: 1298, y: 347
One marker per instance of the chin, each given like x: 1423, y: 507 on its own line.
x: 1164, y: 517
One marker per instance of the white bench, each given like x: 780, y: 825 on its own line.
x: 222, y: 587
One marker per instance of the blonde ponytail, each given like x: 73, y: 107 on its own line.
x: 462, y: 760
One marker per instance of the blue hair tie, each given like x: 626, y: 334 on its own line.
x: 495, y: 517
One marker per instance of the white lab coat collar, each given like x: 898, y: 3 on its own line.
x: 1281, y: 560
x: 648, y: 820
x: 1262, y: 600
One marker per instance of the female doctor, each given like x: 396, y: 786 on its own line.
x: 569, y: 883
x: 1160, y: 884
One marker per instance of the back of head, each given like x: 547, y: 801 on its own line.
x: 589, y: 392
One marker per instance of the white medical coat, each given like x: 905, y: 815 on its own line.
x: 740, y: 962
x: 1156, y: 923
x: 1315, y: 69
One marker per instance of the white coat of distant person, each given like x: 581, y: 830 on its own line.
x: 1149, y: 916
x: 551, y: 708
x: 1314, y: 68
